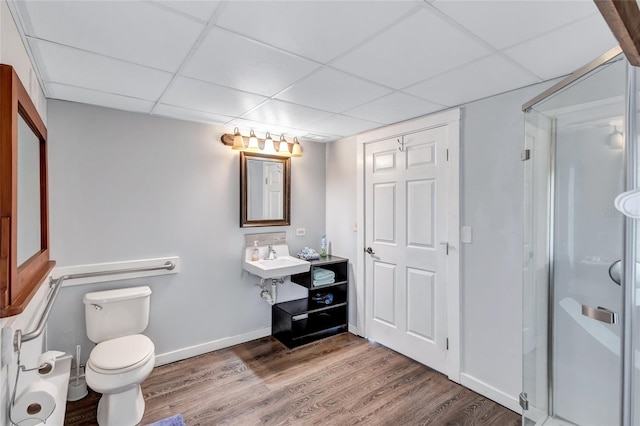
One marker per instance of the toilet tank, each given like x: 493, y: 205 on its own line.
x: 116, y: 313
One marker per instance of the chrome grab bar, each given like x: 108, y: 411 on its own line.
x: 56, y: 283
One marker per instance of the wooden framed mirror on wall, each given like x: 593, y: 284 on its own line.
x: 265, y: 190
x: 24, y: 207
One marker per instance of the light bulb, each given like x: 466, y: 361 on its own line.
x: 284, y: 146
x: 616, y: 140
x: 238, y: 140
x: 253, y: 142
x: 268, y: 145
x: 296, y: 150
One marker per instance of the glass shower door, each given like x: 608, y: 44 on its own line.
x: 573, y: 235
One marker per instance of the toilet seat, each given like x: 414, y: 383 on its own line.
x: 122, y: 354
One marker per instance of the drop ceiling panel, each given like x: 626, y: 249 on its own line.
x: 201, y: 10
x: 92, y: 97
x: 201, y: 96
x: 75, y: 67
x: 319, y: 30
x: 189, y: 114
x: 333, y: 91
x: 234, y: 61
x: 342, y: 126
x: 505, y: 23
x: 484, y: 77
x: 135, y: 31
x: 393, y: 108
x: 285, y: 114
x: 417, y: 48
x: 566, y: 49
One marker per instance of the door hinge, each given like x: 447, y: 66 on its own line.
x: 447, y: 152
x: 447, y: 343
x: 524, y: 403
x: 525, y: 155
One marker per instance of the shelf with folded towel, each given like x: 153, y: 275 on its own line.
x: 330, y: 270
x: 323, y: 313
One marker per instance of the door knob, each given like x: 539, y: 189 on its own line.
x: 369, y: 250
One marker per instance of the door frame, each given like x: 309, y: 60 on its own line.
x: 451, y: 119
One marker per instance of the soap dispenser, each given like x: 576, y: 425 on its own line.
x: 255, y: 254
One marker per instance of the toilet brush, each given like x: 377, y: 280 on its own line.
x: 78, y: 388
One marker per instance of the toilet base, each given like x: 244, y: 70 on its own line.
x: 121, y: 409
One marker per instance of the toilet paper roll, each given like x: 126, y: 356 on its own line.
x: 35, y: 404
x: 47, y: 362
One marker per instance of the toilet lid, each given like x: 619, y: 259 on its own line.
x: 120, y: 353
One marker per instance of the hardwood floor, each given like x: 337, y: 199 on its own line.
x: 342, y: 380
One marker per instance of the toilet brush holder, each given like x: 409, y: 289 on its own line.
x: 77, y: 390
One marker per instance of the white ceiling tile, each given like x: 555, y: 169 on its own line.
x: 92, y: 97
x: 201, y: 96
x: 419, y: 47
x: 393, y: 108
x: 285, y: 114
x: 235, y: 61
x: 319, y: 30
x: 78, y: 68
x: 487, y: 76
x: 566, y: 49
x: 504, y: 23
x: 189, y: 114
x: 333, y: 91
x: 342, y: 126
x: 199, y: 9
x: 135, y: 31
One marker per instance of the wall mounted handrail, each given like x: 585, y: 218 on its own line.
x: 55, y: 285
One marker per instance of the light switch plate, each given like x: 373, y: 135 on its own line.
x: 301, y: 232
x: 465, y: 235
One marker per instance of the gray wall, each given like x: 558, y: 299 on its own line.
x: 127, y: 186
x: 492, y: 132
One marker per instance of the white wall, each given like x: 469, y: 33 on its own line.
x: 492, y: 132
x: 341, y: 213
x: 127, y: 186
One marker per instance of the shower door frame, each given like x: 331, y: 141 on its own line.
x: 629, y: 236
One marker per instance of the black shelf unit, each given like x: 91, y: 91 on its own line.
x: 305, y: 320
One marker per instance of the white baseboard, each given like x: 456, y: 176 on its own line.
x: 354, y: 330
x: 490, y: 392
x: 214, y: 345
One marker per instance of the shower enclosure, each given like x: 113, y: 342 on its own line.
x: 579, y: 311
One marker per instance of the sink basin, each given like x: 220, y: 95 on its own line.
x: 283, y: 266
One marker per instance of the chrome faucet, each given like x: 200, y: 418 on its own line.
x: 271, y: 253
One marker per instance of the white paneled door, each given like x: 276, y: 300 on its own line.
x: 405, y: 216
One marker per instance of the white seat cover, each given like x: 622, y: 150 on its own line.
x: 123, y: 353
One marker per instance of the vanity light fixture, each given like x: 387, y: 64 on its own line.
x: 268, y: 145
x: 252, y: 144
x: 238, y: 140
x: 284, y: 146
x: 296, y: 150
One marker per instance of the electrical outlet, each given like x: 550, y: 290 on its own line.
x: 301, y: 232
x: 355, y: 226
x: 465, y: 235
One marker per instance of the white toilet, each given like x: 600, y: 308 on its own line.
x: 122, y: 358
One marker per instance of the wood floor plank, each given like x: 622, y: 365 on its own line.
x: 342, y: 380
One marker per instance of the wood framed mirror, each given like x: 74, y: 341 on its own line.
x: 24, y: 207
x: 265, y: 190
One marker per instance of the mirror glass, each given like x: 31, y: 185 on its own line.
x: 265, y: 190
x: 29, y: 224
